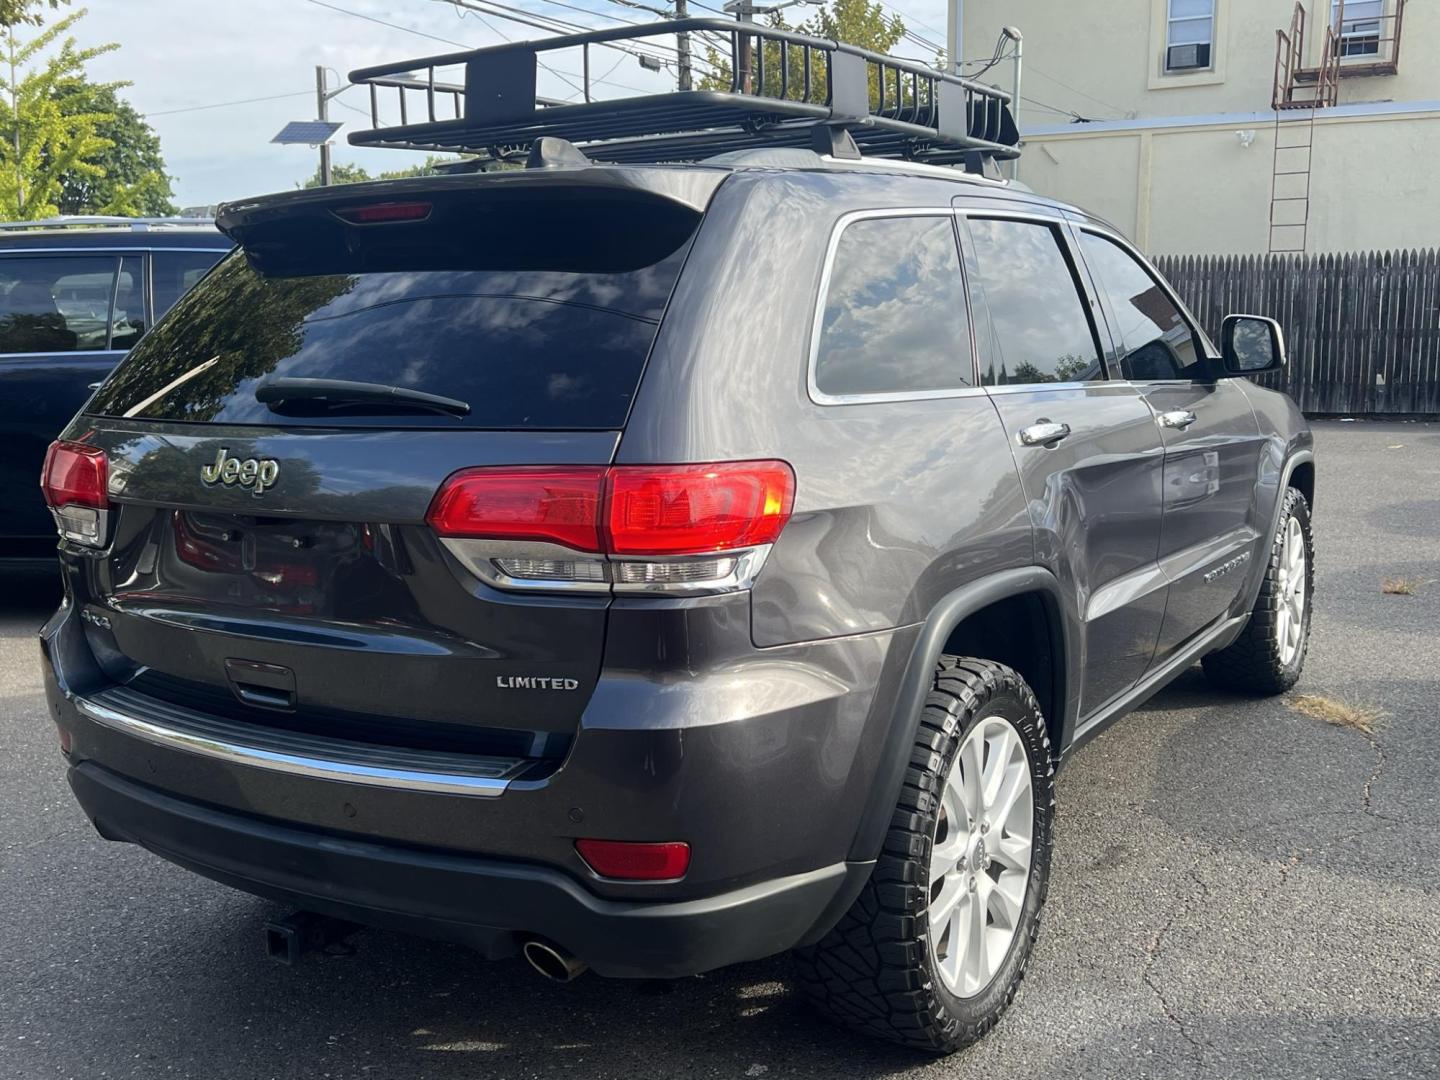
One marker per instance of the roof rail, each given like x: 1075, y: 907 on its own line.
x: 95, y: 221
x: 781, y: 87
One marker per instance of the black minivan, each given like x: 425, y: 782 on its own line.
x: 75, y: 294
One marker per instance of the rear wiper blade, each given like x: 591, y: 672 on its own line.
x: 341, y: 392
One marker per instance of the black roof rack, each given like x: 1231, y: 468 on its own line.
x: 783, y: 90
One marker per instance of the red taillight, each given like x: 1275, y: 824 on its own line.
x: 635, y: 861
x: 376, y: 213
x: 623, y: 510
x: 75, y: 473
x: 560, y: 505
x: 696, y: 509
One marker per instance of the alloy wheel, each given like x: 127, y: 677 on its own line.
x: 1290, y: 611
x: 980, y: 858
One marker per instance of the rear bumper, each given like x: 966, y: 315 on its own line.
x: 487, y: 903
x: 761, y: 765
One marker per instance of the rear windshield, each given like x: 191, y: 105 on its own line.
x: 554, y: 340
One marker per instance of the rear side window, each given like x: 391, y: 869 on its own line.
x: 174, y: 273
x: 1157, y: 340
x: 1040, y: 332
x: 533, y: 321
x: 56, y: 303
x: 894, y: 319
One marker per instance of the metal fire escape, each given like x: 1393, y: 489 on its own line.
x: 1368, y: 41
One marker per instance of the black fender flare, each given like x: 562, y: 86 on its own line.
x: 944, y: 617
x: 1257, y: 573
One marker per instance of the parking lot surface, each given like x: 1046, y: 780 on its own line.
x: 1240, y: 890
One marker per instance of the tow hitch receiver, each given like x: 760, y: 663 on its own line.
x: 290, y: 938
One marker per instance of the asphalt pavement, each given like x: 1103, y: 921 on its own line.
x: 1239, y: 891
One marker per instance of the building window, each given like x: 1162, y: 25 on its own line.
x: 1357, y: 22
x: 1189, y: 34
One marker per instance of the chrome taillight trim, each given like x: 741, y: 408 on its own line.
x: 480, y: 557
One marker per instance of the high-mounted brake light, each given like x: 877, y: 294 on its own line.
x: 376, y: 213
x: 630, y: 861
x: 651, y: 528
x: 74, y: 480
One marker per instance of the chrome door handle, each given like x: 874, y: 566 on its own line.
x: 1044, y: 433
x: 1180, y: 418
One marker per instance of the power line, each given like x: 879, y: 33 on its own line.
x: 1031, y: 68
x: 226, y: 104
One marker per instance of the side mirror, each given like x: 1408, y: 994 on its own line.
x: 1250, y: 344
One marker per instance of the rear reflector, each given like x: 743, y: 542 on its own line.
x: 633, y: 510
x: 628, y: 861
x: 377, y: 213
x: 74, y: 480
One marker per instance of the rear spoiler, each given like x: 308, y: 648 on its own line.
x: 688, y: 188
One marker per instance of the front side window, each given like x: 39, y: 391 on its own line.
x: 1156, y: 340
x: 1357, y: 22
x: 1189, y: 34
x: 56, y: 303
x: 1039, y: 329
x: 895, y: 317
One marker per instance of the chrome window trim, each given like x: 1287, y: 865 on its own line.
x: 61, y: 355
x: 117, y: 249
x: 287, y: 761
x: 817, y: 316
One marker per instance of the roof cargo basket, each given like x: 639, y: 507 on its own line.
x: 780, y: 88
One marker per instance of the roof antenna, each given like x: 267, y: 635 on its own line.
x: 549, y: 152
x: 834, y: 141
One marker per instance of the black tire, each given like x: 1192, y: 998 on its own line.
x: 1252, y: 663
x: 875, y: 971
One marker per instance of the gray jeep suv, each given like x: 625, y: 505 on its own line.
x: 660, y: 566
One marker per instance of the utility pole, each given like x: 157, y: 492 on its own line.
x: 682, y: 45
x: 955, y: 36
x: 744, y: 11
x: 1019, y: 39
x: 322, y: 105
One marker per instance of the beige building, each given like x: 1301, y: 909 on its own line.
x: 1177, y: 145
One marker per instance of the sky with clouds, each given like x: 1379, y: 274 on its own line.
x: 181, y: 54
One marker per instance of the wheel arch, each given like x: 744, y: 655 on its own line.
x: 998, y: 611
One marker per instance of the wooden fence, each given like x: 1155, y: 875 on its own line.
x: 1363, y: 329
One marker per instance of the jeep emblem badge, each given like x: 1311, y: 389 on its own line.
x: 258, y: 474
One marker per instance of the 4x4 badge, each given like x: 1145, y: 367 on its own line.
x: 255, y: 473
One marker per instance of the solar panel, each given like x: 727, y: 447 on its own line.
x: 307, y: 132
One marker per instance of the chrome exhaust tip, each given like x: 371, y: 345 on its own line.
x: 554, y: 963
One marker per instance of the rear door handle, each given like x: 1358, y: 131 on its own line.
x: 1044, y: 433
x: 1180, y: 418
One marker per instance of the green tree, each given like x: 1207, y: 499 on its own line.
x: 45, y: 132
x: 31, y: 12
x: 133, y: 180
x: 344, y: 173
x: 855, y: 22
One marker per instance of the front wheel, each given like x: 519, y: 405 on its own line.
x: 1269, y: 654
x: 933, y: 950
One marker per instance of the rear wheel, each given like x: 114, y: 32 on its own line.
x: 933, y: 950
x: 1269, y: 654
